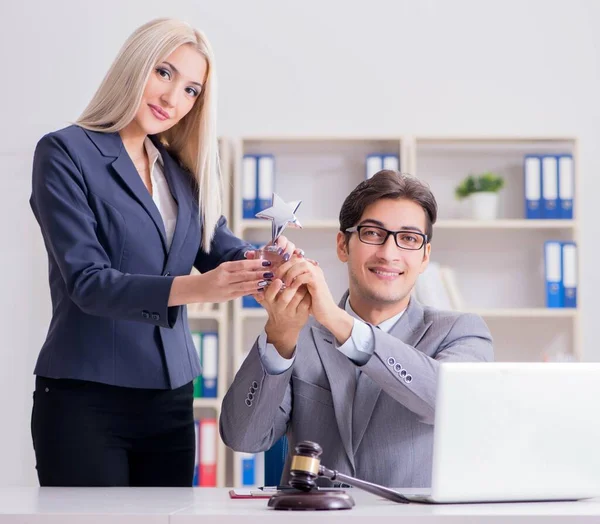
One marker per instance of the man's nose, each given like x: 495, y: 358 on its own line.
x: 389, y: 250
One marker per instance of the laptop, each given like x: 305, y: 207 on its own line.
x: 515, y: 432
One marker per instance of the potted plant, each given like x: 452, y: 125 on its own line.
x: 481, y: 192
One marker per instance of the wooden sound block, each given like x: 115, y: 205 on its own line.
x: 311, y: 500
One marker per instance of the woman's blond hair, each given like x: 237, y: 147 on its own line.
x: 193, y: 140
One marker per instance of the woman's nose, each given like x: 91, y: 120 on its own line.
x: 169, y: 97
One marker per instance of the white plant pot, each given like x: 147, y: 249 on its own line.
x: 484, y: 205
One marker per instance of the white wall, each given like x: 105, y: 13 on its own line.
x: 464, y: 67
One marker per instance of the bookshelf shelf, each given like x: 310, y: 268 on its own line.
x: 259, y: 224
x: 219, y: 315
x: 510, y: 223
x: 505, y: 224
x: 525, y: 312
x: 252, y: 313
x: 211, y: 403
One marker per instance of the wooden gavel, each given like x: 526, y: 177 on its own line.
x: 306, y: 467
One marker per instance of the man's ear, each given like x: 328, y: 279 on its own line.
x: 342, y: 247
x: 426, y: 256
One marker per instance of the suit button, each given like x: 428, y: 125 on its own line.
x: 252, y: 390
x: 403, y: 373
x: 408, y: 378
x: 255, y: 384
x: 250, y: 397
x: 391, y: 361
x: 145, y: 314
x: 248, y: 402
x: 155, y: 316
x: 398, y: 367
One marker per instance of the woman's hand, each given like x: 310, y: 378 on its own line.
x: 286, y: 249
x: 228, y: 281
x: 231, y: 280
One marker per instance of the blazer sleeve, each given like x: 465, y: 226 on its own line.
x: 59, y: 202
x: 257, y: 407
x: 415, y: 385
x: 225, y: 246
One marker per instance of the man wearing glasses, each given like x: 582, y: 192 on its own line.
x: 358, y: 377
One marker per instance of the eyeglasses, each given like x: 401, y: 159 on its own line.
x: 405, y: 239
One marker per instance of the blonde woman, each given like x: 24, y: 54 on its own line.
x: 128, y: 201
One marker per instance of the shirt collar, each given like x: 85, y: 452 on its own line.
x: 386, y: 325
x: 153, y: 153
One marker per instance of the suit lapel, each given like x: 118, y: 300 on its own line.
x: 126, y: 170
x: 174, y: 175
x: 341, y: 375
x: 110, y: 144
x: 416, y: 328
x: 410, y: 328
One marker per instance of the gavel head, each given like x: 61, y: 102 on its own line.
x: 305, y: 465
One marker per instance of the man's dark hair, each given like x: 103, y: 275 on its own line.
x: 392, y: 185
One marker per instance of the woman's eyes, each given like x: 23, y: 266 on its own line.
x: 163, y: 72
x: 166, y: 74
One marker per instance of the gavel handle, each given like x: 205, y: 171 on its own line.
x: 375, y: 489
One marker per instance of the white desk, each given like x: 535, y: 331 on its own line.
x: 212, y: 506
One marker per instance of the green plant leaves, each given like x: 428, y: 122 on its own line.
x: 485, y: 182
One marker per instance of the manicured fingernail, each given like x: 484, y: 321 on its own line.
x: 260, y: 289
x: 268, y: 274
x: 262, y: 283
x: 245, y: 254
x: 266, y: 263
x: 286, y: 257
x: 300, y: 252
x: 280, y: 251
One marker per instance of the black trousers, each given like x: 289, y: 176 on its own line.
x: 91, y: 434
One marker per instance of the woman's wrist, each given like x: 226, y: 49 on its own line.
x: 186, y: 289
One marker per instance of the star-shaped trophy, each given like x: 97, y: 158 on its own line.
x: 282, y: 215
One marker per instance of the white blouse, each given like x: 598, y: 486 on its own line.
x: 161, y: 194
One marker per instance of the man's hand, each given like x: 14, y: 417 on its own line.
x: 288, y: 313
x: 299, y: 272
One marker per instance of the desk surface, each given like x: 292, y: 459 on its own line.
x: 212, y: 506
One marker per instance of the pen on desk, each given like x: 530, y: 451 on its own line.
x: 275, y: 488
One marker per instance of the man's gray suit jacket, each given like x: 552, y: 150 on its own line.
x: 378, y: 427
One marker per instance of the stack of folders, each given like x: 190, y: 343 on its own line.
x: 207, y: 347
x: 205, y: 463
x: 549, y: 186
x: 258, y: 183
x: 377, y: 162
x: 560, y: 262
